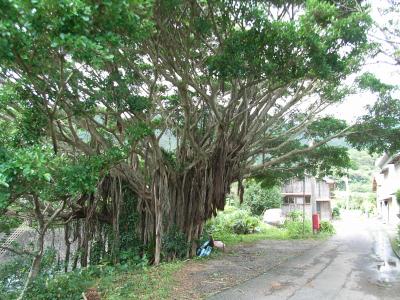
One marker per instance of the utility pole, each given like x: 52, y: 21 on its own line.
x: 304, y: 201
x: 315, y: 218
x: 346, y: 182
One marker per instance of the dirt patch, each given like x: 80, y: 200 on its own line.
x: 199, y: 279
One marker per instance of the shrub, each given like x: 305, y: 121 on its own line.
x: 398, y: 196
x: 14, y: 273
x: 12, y: 276
x: 174, y: 243
x: 259, y: 199
x: 327, y: 227
x: 295, y: 216
x: 67, y: 286
x: 295, y: 228
x: 8, y: 223
x: 233, y: 220
x: 336, y: 212
x: 246, y: 225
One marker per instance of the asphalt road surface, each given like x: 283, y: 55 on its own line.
x: 358, y: 263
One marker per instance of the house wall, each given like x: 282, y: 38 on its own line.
x: 322, y: 188
x: 324, y: 210
x: 387, y: 184
x: 287, y: 208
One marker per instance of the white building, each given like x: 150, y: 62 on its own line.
x: 386, y: 183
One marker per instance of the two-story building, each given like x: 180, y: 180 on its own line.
x: 386, y: 183
x: 295, y: 197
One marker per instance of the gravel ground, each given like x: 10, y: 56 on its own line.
x: 201, y: 278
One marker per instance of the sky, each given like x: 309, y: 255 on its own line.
x: 354, y: 106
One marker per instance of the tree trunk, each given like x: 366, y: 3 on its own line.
x: 116, y: 195
x: 186, y: 200
x: 67, y: 247
x: 158, y: 185
x: 85, y: 247
x: 79, y: 241
x: 35, y: 267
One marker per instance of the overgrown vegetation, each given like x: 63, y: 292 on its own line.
x: 234, y: 221
x: 123, y: 281
x: 327, y: 227
x: 258, y: 199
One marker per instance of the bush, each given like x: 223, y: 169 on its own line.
x: 259, y: 199
x: 52, y: 282
x: 295, y: 228
x: 14, y: 273
x: 246, y: 225
x: 336, y: 212
x: 174, y: 243
x: 8, y: 223
x: 12, y: 276
x: 233, y: 220
x: 326, y: 227
x: 295, y: 216
x: 67, y: 286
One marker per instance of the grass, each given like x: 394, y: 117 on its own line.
x: 148, y: 283
x: 267, y: 233
x: 395, y: 242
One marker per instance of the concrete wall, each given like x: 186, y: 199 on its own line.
x: 387, y: 184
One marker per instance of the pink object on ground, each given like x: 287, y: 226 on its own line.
x: 219, y: 245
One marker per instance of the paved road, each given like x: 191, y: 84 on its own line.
x: 357, y: 263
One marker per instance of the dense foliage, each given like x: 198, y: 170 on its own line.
x: 360, y: 174
x: 234, y: 220
x: 326, y: 227
x: 258, y: 199
x: 379, y: 129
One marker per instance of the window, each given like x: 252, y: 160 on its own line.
x: 385, y: 173
x: 308, y: 199
x: 288, y: 200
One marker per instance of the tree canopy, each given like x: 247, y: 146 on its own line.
x: 238, y: 87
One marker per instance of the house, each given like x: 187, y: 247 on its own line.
x: 294, y: 197
x: 386, y: 183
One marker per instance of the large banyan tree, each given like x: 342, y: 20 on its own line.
x: 181, y: 98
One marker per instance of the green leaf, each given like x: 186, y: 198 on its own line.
x: 47, y: 176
